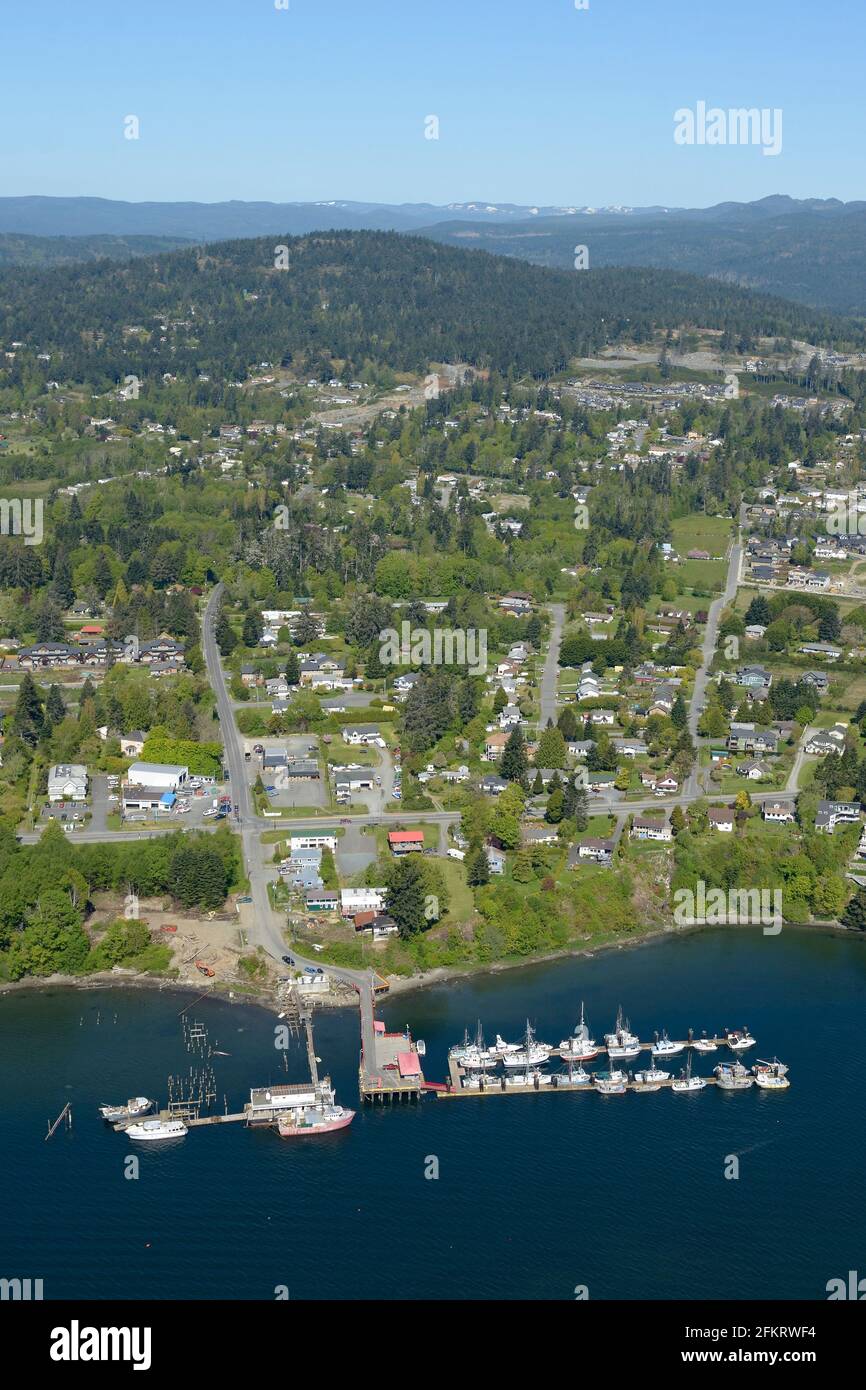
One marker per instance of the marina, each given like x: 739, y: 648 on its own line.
x: 472, y: 1068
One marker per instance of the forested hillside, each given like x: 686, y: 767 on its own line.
x: 814, y: 255
x: 355, y: 297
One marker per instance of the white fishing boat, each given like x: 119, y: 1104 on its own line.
x: 621, y: 1043
x: 473, y: 1055
x: 580, y: 1047
x: 155, y: 1130
x: 610, y: 1083
x: 533, y: 1077
x: 663, y: 1047
x: 531, y: 1054
x: 704, y: 1044
x: 686, y: 1084
x: 481, y: 1081
x: 650, y: 1079
x: 732, y: 1076
x: 138, y: 1105
x: 771, y: 1076
x: 575, y: 1076
x: 739, y: 1039
x: 501, y: 1048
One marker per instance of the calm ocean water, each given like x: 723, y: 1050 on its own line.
x: 536, y: 1194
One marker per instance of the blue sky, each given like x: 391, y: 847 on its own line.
x: 537, y: 101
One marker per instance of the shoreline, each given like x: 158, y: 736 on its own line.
x: 397, y: 984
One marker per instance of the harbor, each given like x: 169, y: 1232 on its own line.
x: 473, y: 1068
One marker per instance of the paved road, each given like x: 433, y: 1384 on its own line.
x: 267, y: 924
x: 702, y: 675
x: 550, y: 673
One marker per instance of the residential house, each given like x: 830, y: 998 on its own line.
x: 645, y: 828
x: 132, y: 745
x: 832, y: 813
x: 722, y: 818
x: 67, y: 782
x: 779, y: 812
x: 601, y: 851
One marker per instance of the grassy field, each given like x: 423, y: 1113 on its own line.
x: 699, y: 532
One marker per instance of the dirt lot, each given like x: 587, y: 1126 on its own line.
x: 216, y: 941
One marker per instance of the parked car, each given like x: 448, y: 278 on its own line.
x: 288, y: 960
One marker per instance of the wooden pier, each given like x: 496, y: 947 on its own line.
x: 494, y: 1080
x: 65, y: 1114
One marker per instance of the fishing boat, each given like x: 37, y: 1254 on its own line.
x: 502, y: 1048
x: 663, y: 1047
x: 575, y: 1076
x: 686, y: 1084
x: 732, y: 1076
x: 580, y: 1047
x: 473, y: 1055
x: 138, y: 1105
x: 621, y: 1043
x: 155, y: 1130
x: 309, y: 1120
x: 610, y: 1083
x: 531, y: 1077
x: 530, y: 1054
x: 650, y: 1079
x: 739, y: 1039
x: 481, y: 1081
x: 704, y: 1044
x: 771, y: 1076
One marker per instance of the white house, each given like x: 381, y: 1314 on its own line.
x: 297, y: 843
x: 131, y: 745
x: 67, y: 782
x: 354, y: 900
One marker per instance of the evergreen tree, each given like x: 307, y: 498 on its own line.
x: 405, y: 895
x: 477, y: 868
x: 225, y: 637
x: 855, y: 913
x: 54, y: 706
x: 252, y: 629
x: 514, y: 762
x: 293, y: 669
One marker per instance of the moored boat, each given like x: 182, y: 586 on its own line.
x: 473, y: 1055
x: 622, y: 1043
x: 771, y: 1076
x: 580, y: 1047
x: 531, y: 1054
x: 686, y: 1084
x: 137, y: 1105
x: 650, y: 1079
x: 663, y: 1047
x: 732, y: 1076
x: 704, y: 1044
x: 610, y: 1083
x: 154, y: 1130
x: 739, y: 1039
x: 310, y: 1120
x: 574, y: 1076
x: 532, y: 1077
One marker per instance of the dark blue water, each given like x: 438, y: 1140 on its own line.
x: 536, y: 1194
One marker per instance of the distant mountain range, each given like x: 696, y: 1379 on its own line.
x: 811, y: 250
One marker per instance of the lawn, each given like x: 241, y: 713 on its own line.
x: 699, y: 532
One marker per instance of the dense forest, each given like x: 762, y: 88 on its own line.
x: 812, y: 255
x: 354, y: 298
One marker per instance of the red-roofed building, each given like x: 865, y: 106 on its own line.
x: 403, y: 841
x: 409, y: 1063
